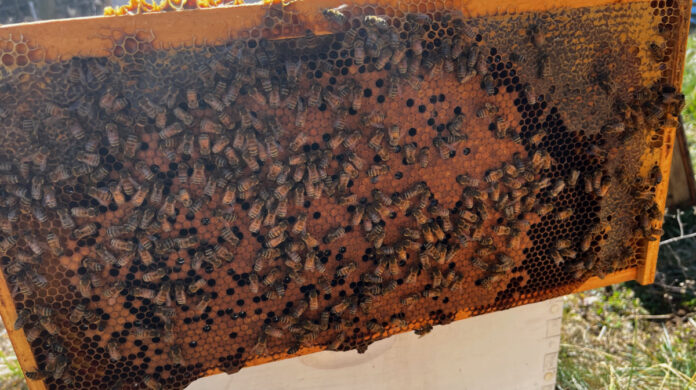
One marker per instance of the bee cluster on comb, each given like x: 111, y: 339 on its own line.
x: 169, y: 212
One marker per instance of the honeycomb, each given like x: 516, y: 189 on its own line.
x: 323, y: 181
x: 135, y: 7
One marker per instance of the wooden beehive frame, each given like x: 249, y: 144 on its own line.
x: 95, y: 37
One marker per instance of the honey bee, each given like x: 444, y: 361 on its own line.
x: 504, y: 263
x: 545, y: 67
x: 555, y: 255
x: 38, y: 375
x: 113, y: 350
x: 213, y: 102
x: 463, y: 72
x: 84, y: 212
x: 48, y: 325
x: 272, y: 331
x: 39, y: 213
x: 432, y: 292
x: 603, y: 189
x: 335, y: 344
x: 344, y: 271
x: 36, y: 279
x: 299, y: 140
x: 281, y: 191
x: 151, y: 383
x: 377, y: 22
x: 186, y: 242
x: 32, y: 334
x: 655, y: 175
x: 210, y: 127
x: 487, y: 281
x: 493, y: 175
x: 375, y: 142
x: 90, y: 159
x: 121, y: 245
x: 196, y: 285
x: 113, y: 289
x: 116, y: 194
x: 22, y: 319
x: 393, y: 135
x: 410, y: 299
x: 155, y: 275
x: 436, y: 276
x: 529, y: 94
x: 37, y: 183
x: 310, y: 40
x: 148, y: 107
x: 657, y: 51
x: 340, y: 307
x: 488, y: 85
x: 568, y: 253
x: 418, y: 18
x: 202, y: 305
x: 92, y: 264
x: 374, y: 326
x: 112, y: 136
x: 351, y: 140
x: 487, y: 110
x: 198, y: 175
x: 55, y: 362
x: 573, y: 177
x: 538, y: 35
x: 60, y: 173
x: 175, y: 355
x: 275, y: 241
x: 141, y: 292
x: 84, y: 231
x: 331, y: 99
x: 255, y: 224
x: 614, y: 128
x: 76, y: 130
x: 564, y: 214
x: 588, y: 184
x: 557, y: 187
x: 144, y: 171
x: 273, y: 275
x: 378, y: 169
x: 537, y: 137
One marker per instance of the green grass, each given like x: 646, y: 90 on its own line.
x: 689, y: 90
x: 11, y: 376
x: 611, y: 341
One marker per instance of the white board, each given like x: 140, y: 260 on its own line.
x: 511, y: 349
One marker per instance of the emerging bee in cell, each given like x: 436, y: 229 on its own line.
x: 564, y: 214
x: 176, y: 355
x: 113, y: 350
x: 545, y: 68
